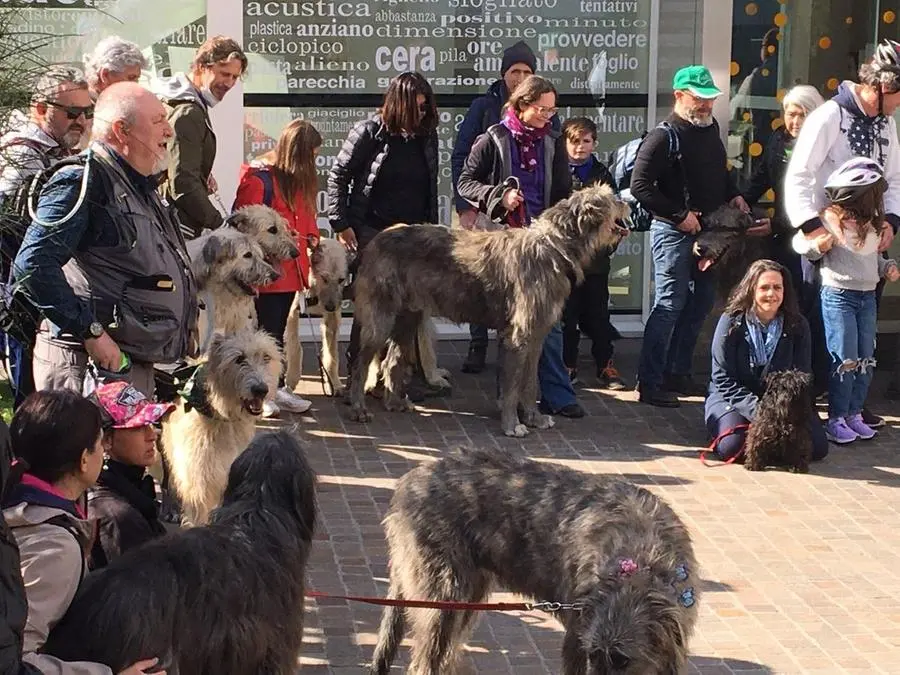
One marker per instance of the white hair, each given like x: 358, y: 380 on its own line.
x: 118, y: 102
x: 112, y: 53
x: 49, y: 83
x: 804, y: 95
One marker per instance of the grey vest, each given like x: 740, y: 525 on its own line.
x: 141, y: 290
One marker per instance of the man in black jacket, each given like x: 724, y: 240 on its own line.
x: 677, y: 193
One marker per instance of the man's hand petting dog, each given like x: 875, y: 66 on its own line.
x: 512, y: 199
x: 348, y: 238
x: 740, y: 203
x: 763, y: 228
x: 691, y: 224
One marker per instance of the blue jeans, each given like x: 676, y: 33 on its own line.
x: 684, y: 297
x: 810, y: 296
x: 553, y: 378
x: 850, y: 326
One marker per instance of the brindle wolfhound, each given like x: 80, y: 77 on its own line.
x: 515, y: 281
x: 484, y: 519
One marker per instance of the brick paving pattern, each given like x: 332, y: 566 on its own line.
x: 799, y: 570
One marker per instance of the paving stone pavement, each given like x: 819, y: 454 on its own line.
x: 798, y: 570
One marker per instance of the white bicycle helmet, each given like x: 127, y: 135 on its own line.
x: 852, y: 179
x: 887, y: 57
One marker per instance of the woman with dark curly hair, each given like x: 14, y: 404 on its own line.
x: 386, y: 172
x: 761, y: 331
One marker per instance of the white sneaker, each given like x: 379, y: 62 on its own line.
x: 270, y: 409
x: 288, y: 400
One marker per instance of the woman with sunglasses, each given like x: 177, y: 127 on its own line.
x: 386, y: 173
x: 514, y: 171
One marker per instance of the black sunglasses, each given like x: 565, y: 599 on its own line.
x: 73, y: 112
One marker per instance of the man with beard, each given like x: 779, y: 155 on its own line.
x: 61, y: 110
x: 676, y: 191
x: 217, y: 66
x: 104, y: 260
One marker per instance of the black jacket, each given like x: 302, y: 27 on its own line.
x: 770, y: 175
x: 658, y: 181
x: 481, y: 115
x: 734, y: 385
x: 15, y: 603
x: 354, y: 172
x: 489, y: 164
x: 124, y: 504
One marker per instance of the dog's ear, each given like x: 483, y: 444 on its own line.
x: 317, y: 255
x: 238, y: 220
x: 207, y: 259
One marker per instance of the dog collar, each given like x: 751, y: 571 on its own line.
x: 195, y: 393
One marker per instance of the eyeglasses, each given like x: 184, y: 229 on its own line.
x: 545, y: 112
x: 73, y: 112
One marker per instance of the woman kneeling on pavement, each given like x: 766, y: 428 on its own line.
x: 760, y: 332
x: 57, y: 440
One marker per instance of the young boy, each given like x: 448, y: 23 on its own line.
x: 587, y: 309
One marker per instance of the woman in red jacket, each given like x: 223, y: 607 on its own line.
x: 285, y: 179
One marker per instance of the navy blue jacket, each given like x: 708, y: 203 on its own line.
x: 481, y: 115
x: 735, y: 386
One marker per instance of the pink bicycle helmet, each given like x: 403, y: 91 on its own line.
x: 853, y: 178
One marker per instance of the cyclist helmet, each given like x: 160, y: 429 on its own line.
x: 887, y: 57
x: 852, y: 179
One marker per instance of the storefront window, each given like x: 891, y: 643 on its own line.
x: 330, y: 62
x: 169, y: 31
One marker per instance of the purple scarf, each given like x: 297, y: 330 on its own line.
x: 526, y: 138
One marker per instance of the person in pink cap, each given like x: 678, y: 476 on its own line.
x: 124, y: 499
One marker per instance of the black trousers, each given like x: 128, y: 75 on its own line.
x: 587, y: 311
x: 272, y: 310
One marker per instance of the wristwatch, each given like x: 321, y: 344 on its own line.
x: 95, y: 330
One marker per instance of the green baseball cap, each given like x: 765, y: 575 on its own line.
x: 696, y: 80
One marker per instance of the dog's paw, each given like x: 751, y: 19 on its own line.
x: 340, y: 392
x: 800, y: 468
x: 536, y: 420
x: 518, y: 431
x: 753, y: 466
x: 360, y: 414
x: 396, y: 404
x: 440, y: 382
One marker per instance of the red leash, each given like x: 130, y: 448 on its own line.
x: 465, y: 606
x: 712, y: 446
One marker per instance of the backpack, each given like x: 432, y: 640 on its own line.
x: 268, y: 185
x: 623, y: 167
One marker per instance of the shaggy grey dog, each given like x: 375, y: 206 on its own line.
x: 724, y: 249
x: 224, y: 598
x: 477, y: 520
x: 515, y: 281
x: 780, y: 433
x: 268, y: 229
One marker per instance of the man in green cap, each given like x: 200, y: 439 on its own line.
x: 677, y: 192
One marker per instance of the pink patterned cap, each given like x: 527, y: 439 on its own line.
x: 127, y: 407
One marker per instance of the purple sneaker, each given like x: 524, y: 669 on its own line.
x: 863, y: 430
x: 837, y: 431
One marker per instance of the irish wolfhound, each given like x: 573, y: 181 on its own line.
x: 216, y: 417
x: 269, y: 230
x: 228, y: 266
x: 478, y: 519
x: 328, y: 273
x: 225, y: 598
x: 515, y: 281
x: 780, y: 434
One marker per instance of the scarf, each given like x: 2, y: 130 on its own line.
x: 526, y: 138
x: 763, y: 339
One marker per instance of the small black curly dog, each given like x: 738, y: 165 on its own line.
x: 226, y: 597
x: 780, y: 434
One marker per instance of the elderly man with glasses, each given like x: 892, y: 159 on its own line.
x: 59, y: 115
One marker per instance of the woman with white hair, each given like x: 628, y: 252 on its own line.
x: 796, y: 105
x: 113, y: 60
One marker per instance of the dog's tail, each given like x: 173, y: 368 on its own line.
x: 390, y: 635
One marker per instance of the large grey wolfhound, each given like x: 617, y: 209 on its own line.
x: 515, y: 281
x: 478, y: 519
